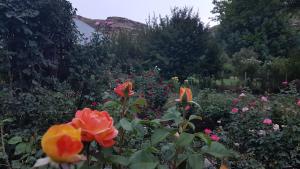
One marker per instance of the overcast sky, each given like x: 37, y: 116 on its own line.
x: 139, y: 10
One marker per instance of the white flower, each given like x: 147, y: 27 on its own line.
x: 264, y: 99
x: 219, y: 121
x: 261, y: 132
x: 176, y: 135
x: 251, y: 130
x: 242, y: 95
x: 237, y: 144
x: 275, y: 127
x: 244, y: 109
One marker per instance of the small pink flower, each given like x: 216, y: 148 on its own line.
x: 264, y: 99
x: 94, y: 103
x: 235, y: 101
x: 215, y: 137
x: 187, y: 108
x: 285, y: 83
x: 267, y: 121
x: 235, y: 110
x: 298, y: 103
x: 207, y: 131
x: 252, y: 104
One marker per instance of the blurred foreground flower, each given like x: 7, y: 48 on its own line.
x: 95, y: 125
x: 298, y: 103
x: 62, y: 143
x: 124, y: 89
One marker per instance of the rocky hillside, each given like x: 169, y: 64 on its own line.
x: 112, y: 24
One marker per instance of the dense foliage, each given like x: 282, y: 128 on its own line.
x: 181, y: 44
x: 255, y: 36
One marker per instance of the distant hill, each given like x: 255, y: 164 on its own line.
x: 112, y: 24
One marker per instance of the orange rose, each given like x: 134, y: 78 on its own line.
x: 95, y: 125
x: 62, y: 143
x: 224, y: 166
x: 185, y: 94
x: 124, y: 89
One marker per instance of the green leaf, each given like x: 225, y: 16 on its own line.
x: 218, y: 150
x: 159, y: 135
x: 144, y: 165
x: 21, y: 148
x: 143, y: 159
x: 184, y: 139
x: 5, y: 121
x: 204, y: 138
x: 162, y: 167
x: 141, y: 102
x: 192, y: 117
x: 117, y: 159
x: 196, y: 161
x: 181, y: 158
x: 125, y: 124
x: 191, y: 125
x: 172, y: 114
x: 15, y: 140
x: 110, y: 105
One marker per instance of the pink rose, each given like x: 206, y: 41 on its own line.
x: 235, y: 110
x: 267, y: 121
x: 215, y: 137
x: 298, y: 103
x: 235, y: 101
x: 285, y: 83
x: 207, y: 131
x: 187, y: 108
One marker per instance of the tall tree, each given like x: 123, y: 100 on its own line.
x: 260, y: 24
x: 35, y: 38
x: 181, y: 45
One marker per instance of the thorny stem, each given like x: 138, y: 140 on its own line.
x: 3, y: 147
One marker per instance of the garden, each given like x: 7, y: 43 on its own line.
x: 174, y: 95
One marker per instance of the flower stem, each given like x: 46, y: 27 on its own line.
x: 88, y: 152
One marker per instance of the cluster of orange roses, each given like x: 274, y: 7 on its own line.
x: 63, y: 142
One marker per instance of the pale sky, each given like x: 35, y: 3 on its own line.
x: 139, y: 10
